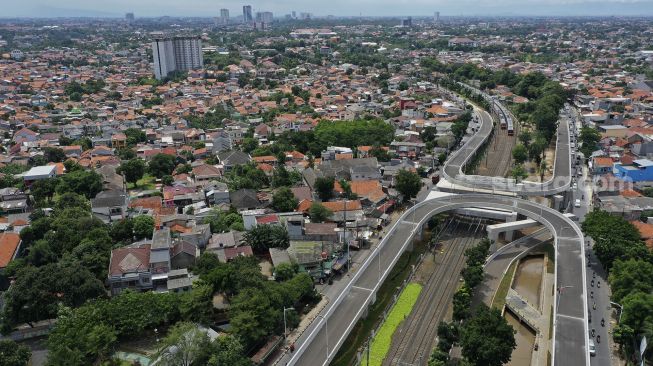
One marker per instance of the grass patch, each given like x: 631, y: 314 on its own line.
x: 383, y: 339
x: 146, y: 183
x: 500, y: 296
x: 359, y: 334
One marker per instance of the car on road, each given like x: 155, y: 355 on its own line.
x: 592, y: 348
x: 574, y: 186
x: 577, y: 202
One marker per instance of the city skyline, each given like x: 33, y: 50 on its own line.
x: 204, y: 8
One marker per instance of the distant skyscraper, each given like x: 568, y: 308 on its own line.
x: 264, y: 17
x: 436, y: 17
x: 176, y: 53
x: 408, y: 22
x: 294, y: 14
x: 224, y: 16
x: 247, y: 14
x: 129, y: 17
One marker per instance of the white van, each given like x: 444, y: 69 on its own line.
x: 592, y: 348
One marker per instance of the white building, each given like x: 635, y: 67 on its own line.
x: 178, y: 53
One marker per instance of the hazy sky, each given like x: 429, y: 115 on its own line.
x: 112, y: 8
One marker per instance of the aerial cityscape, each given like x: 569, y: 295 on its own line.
x: 361, y: 183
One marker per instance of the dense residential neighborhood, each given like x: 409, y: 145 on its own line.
x: 147, y: 200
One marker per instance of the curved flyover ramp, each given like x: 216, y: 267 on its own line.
x: 453, y: 167
x: 321, y: 341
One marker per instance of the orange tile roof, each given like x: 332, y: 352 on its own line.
x: 645, y: 230
x: 602, y: 161
x: 8, y: 244
x: 630, y: 193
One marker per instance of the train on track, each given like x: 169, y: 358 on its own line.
x: 505, y: 118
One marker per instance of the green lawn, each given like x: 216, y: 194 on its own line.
x: 401, y: 309
x: 359, y: 334
x: 500, y: 296
x: 146, y: 183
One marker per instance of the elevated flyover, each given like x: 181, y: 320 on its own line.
x: 321, y: 341
x: 453, y: 170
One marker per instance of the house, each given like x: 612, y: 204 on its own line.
x: 39, y: 173
x: 183, y: 255
x: 160, y: 253
x: 229, y: 159
x: 204, y: 173
x: 601, y: 165
x: 179, y: 281
x: 9, y: 248
x: 129, y: 268
x: 229, y: 239
x: 227, y: 254
x: 110, y: 206
x: 462, y: 41
x: 640, y: 171
x: 198, y: 235
x: 244, y: 199
x: 217, y: 193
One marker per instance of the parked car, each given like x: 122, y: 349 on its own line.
x: 577, y: 202
x: 592, y: 348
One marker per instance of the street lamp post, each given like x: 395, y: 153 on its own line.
x: 326, y: 327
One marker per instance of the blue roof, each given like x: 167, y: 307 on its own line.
x: 643, y: 162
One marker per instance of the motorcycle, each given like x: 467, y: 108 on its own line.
x: 598, y: 284
x: 598, y: 339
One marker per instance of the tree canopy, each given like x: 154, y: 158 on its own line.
x: 486, y: 338
x: 408, y: 184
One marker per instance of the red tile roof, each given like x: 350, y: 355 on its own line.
x: 8, y: 244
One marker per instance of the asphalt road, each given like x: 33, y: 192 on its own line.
x: 323, y: 338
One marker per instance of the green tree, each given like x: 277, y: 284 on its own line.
x: 518, y: 172
x: 408, y: 184
x: 183, y: 345
x: 519, y: 153
x: 14, y: 354
x: 197, y: 305
x: 87, y: 183
x: 629, y: 276
x: 285, y: 271
x: 161, y: 165
x: 319, y: 213
x: 122, y: 230
x: 143, y: 226
x: 614, y: 237
x: 262, y: 237
x: 525, y: 138
x: 324, y: 187
x: 43, y: 190
x: 589, y: 137
x: 54, y: 154
x: 126, y: 154
x: 284, y: 200
x: 486, y: 338
x: 132, y: 170
x: 37, y: 292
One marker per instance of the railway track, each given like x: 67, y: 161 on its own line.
x: 498, y: 155
x: 413, y: 341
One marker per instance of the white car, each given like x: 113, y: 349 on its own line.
x: 592, y: 348
x: 574, y: 186
x: 577, y: 203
